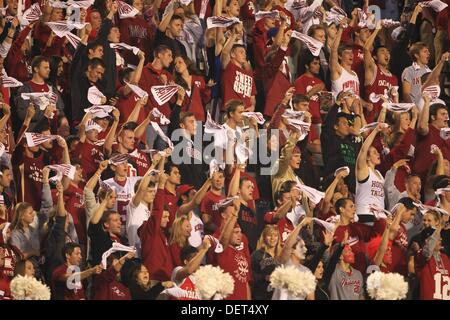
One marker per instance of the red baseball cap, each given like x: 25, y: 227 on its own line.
x: 184, y: 188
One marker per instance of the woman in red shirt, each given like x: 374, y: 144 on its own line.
x: 198, y: 93
x: 180, y: 233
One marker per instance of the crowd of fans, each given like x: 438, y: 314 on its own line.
x: 97, y: 96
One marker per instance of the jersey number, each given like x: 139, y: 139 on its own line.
x: 441, y: 287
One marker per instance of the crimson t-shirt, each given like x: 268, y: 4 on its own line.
x: 209, y: 206
x: 60, y: 288
x: 303, y: 85
x: 74, y: 200
x: 237, y: 83
x: 90, y: 157
x: 236, y: 261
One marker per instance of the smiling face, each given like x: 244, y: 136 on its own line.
x: 186, y: 228
x: 57, y: 14
x: 28, y: 216
x: 429, y: 220
x: 180, y: 65
x: 95, y: 74
x: 174, y: 176
x: 113, y: 224
x: 271, y: 238
x: 29, y: 269
x: 320, y: 35
x: 190, y: 125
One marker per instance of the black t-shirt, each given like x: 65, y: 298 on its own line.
x: 176, y: 46
x: 263, y: 265
x: 248, y: 223
x: 101, y: 241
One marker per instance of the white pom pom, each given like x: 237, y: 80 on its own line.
x: 28, y: 288
x: 213, y: 281
x: 387, y: 286
x: 296, y: 282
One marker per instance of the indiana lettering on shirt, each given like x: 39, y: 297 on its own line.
x: 351, y: 84
x: 241, y: 273
x: 350, y: 282
x: 243, y: 84
x: 377, y: 189
x: 384, y: 83
x: 137, y: 31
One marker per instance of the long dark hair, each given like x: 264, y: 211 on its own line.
x: 191, y: 67
x: 53, y: 78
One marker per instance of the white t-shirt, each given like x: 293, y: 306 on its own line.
x: 124, y: 196
x: 136, y: 216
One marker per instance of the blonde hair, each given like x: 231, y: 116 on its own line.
x: 19, y: 210
x: 262, y: 243
x: 176, y: 235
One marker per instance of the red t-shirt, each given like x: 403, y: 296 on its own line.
x: 126, y: 104
x: 209, y: 206
x: 197, y: 98
x: 399, y: 250
x: 106, y: 286
x: 171, y: 202
x: 74, y: 200
x: 60, y: 288
x: 90, y: 157
x: 423, y: 157
x: 175, y: 251
x: 136, y: 32
x: 238, y: 264
x: 155, y: 247
x: 237, y: 83
x: 434, y: 278
x: 141, y: 161
x: 32, y: 180
x: 304, y: 84
x: 152, y: 77
x: 284, y: 225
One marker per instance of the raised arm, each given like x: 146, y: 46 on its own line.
x: 233, y: 188
x: 137, y: 198
x: 195, y: 202
x: 292, y: 239
x: 6, y: 115
x: 138, y: 72
x: 424, y: 116
x: 166, y: 20
x: 134, y: 115
x: 82, y: 127
x: 335, y: 68
x: 369, y: 62
x: 227, y: 231
x: 60, y: 208
x: 383, y: 245
x: 362, y: 169
x: 433, y: 78
x: 195, y: 262
x: 97, y: 216
x: 225, y: 55
x: 330, y: 190
x: 107, y: 147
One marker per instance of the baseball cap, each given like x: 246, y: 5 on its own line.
x: 184, y: 188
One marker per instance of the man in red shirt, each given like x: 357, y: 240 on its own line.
x: 170, y: 190
x: 433, y: 266
x: 154, y: 242
x: 67, y: 278
x: 90, y: 151
x: 211, y: 216
x: 431, y: 120
x: 41, y: 71
x: 17, y: 60
x: 235, y: 256
x: 237, y: 76
x: 156, y: 74
x: 309, y: 84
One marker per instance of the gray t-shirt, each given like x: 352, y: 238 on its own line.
x: 344, y: 286
x: 412, y: 74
